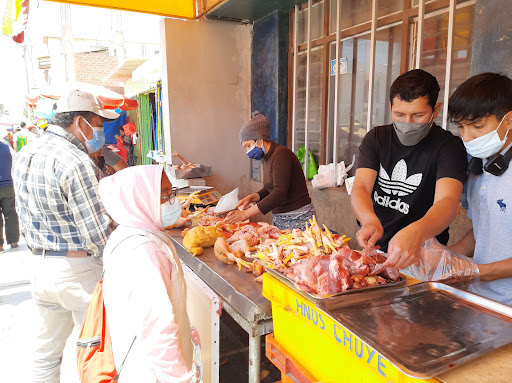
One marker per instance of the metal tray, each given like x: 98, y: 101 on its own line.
x: 316, y: 297
x: 198, y: 172
x: 424, y: 329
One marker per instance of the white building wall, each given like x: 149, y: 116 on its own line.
x: 206, y: 79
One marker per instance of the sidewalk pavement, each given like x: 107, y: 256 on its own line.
x: 17, y: 310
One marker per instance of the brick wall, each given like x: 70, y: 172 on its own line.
x: 94, y: 67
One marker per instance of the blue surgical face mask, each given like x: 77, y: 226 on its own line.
x: 170, y: 212
x: 486, y: 145
x: 97, y: 141
x: 256, y: 153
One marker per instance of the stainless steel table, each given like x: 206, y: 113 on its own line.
x: 240, y: 293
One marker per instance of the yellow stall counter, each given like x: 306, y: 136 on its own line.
x: 328, y: 351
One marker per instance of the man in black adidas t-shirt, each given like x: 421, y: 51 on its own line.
x: 410, y: 174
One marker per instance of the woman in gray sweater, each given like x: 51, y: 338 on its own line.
x: 284, y: 189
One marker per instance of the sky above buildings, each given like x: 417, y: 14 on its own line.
x: 45, y: 20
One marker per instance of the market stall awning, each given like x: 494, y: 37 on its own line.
x: 44, y: 99
x: 125, y: 70
x: 182, y: 9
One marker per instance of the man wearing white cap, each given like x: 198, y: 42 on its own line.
x: 64, y: 223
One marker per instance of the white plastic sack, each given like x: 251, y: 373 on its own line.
x: 325, y: 177
x: 343, y: 170
x: 227, y: 202
x: 321, y: 181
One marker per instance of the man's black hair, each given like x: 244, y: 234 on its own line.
x: 65, y: 119
x: 480, y: 96
x: 415, y: 84
x: 22, y: 124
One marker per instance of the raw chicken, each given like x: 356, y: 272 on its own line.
x: 268, y: 232
x: 232, y: 254
x: 248, y: 233
x: 198, y: 237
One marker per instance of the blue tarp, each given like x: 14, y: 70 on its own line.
x: 112, y: 128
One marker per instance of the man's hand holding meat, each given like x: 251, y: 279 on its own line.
x: 404, y: 248
x: 370, y: 233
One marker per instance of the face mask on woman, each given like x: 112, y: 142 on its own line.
x: 486, y: 145
x: 97, y: 141
x: 170, y: 211
x: 255, y: 152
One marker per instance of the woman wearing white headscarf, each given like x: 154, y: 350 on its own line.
x: 143, y: 284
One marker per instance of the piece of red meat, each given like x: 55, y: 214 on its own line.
x: 340, y: 271
x: 321, y: 274
x: 353, y: 262
x: 377, y: 264
x: 388, y: 272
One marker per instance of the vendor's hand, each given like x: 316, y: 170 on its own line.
x: 182, y: 221
x: 244, y: 202
x: 109, y: 170
x: 237, y: 216
x: 404, y: 249
x: 369, y: 234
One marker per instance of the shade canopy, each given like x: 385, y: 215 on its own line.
x: 182, y: 9
x: 109, y: 99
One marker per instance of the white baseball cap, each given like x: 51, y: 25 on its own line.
x: 79, y: 101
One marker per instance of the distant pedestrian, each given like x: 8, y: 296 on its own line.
x: 7, y: 139
x: 7, y: 206
x: 64, y: 223
x: 19, y: 139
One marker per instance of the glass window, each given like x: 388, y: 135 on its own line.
x: 415, y: 3
x: 317, y: 23
x: 387, y: 69
x: 364, y: 10
x: 332, y: 16
x: 352, y: 97
x: 435, y: 40
x: 354, y: 82
x: 387, y: 7
x: 315, y: 101
x: 302, y: 36
x: 354, y: 12
x: 353, y: 93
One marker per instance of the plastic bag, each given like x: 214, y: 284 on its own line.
x: 324, y: 178
x: 312, y: 168
x: 343, y: 170
x: 321, y: 181
x: 227, y: 202
x: 349, y: 183
x: 440, y: 263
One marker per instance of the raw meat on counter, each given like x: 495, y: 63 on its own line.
x: 293, y: 246
x: 345, y: 269
x: 195, y: 239
x: 242, y: 242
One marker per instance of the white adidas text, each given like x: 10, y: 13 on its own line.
x: 395, y: 204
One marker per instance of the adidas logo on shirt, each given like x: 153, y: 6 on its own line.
x: 398, y: 184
